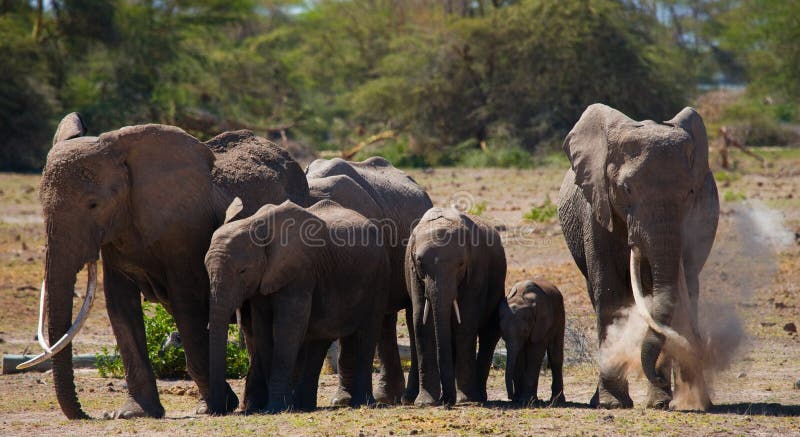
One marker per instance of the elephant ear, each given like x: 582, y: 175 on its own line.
x: 233, y: 210
x: 588, y: 148
x: 71, y: 126
x: 690, y: 121
x: 170, y: 178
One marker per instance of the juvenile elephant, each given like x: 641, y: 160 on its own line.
x: 639, y: 211
x: 456, y: 269
x: 395, y: 203
x: 148, y: 199
x: 532, y: 323
x: 321, y: 271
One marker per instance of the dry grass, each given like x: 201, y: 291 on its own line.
x: 755, y: 396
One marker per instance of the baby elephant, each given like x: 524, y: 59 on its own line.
x: 532, y: 322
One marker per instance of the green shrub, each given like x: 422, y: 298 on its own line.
x: 478, y: 208
x: 726, y: 177
x: 504, y: 157
x: 544, y: 213
x: 733, y: 196
x: 169, y: 362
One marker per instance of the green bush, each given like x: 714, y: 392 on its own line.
x: 544, y: 213
x: 733, y: 196
x: 169, y: 362
x: 478, y: 208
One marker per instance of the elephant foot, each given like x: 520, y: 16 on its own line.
x: 606, y: 400
x: 342, y: 398
x: 471, y: 398
x: 132, y: 409
x: 388, y: 394
x: 231, y: 403
x: 276, y: 407
x: 255, y: 404
x: 557, y: 400
x: 409, y: 397
x: 527, y: 400
x: 424, y: 399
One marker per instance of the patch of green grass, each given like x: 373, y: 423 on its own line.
x: 733, y: 196
x: 544, y: 213
x: 478, y: 208
x: 726, y: 177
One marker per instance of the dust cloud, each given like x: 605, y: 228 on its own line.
x: 744, y: 259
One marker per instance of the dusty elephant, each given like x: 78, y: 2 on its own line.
x: 639, y: 211
x: 532, y: 323
x: 148, y: 199
x: 321, y: 271
x: 456, y: 269
x: 394, y: 202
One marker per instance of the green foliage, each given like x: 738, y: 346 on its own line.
x: 733, y: 196
x: 726, y: 177
x: 544, y: 213
x: 169, y: 362
x: 478, y: 208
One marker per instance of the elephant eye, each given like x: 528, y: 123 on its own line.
x: 92, y: 205
x: 691, y: 191
x: 242, y: 271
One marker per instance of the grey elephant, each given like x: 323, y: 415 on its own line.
x: 148, y: 199
x: 395, y: 203
x: 532, y: 323
x: 639, y: 211
x: 319, y: 273
x: 456, y: 269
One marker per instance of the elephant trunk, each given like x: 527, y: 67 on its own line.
x: 441, y: 303
x: 666, y: 279
x: 512, y: 352
x: 59, y: 283
x: 219, y: 314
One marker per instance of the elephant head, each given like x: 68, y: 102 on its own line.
x: 440, y: 252
x: 128, y: 188
x: 262, y: 253
x: 646, y: 182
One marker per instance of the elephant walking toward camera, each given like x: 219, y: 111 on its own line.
x: 456, y: 270
x: 317, y: 276
x: 532, y: 323
x: 639, y: 211
x: 148, y: 199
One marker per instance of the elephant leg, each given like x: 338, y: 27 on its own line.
x: 555, y: 356
x: 612, y: 388
x: 466, y: 366
x: 360, y: 346
x: 534, y: 355
x: 124, y: 306
x: 412, y: 386
x: 346, y: 370
x: 391, y: 383
x: 191, y: 319
x: 290, y: 315
x: 306, y: 388
x: 486, y: 346
x: 257, y: 326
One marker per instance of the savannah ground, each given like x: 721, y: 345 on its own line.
x: 753, y: 274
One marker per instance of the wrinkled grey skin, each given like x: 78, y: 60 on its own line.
x: 453, y: 256
x: 532, y: 323
x: 395, y: 203
x: 318, y: 272
x: 148, y: 199
x: 644, y: 186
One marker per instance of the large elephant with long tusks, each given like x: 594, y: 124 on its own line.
x: 639, y: 211
x: 147, y: 198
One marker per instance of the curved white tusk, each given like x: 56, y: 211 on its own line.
x: 91, y: 287
x: 425, y: 312
x: 638, y: 297
x: 40, y: 331
x: 458, y: 313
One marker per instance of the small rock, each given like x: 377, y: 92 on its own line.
x: 741, y: 375
x: 797, y: 385
x: 608, y: 418
x: 767, y: 324
x: 790, y: 327
x: 414, y: 432
x: 768, y: 389
x: 110, y: 384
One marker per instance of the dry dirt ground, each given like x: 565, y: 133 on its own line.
x: 752, y: 281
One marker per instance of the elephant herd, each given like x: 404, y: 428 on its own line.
x: 233, y: 229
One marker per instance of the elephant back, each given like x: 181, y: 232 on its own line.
x: 256, y: 170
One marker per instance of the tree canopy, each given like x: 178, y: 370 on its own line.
x: 447, y: 78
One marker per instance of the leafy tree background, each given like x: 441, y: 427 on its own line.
x: 479, y: 82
